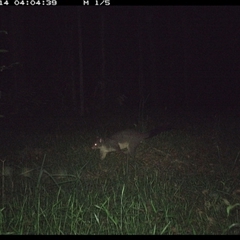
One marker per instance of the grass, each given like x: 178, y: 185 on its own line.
x: 185, y: 181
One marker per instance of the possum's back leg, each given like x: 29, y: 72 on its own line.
x: 132, y: 148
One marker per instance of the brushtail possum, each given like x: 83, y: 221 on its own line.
x: 127, y: 139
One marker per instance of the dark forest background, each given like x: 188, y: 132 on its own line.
x: 71, y: 73
x: 64, y: 60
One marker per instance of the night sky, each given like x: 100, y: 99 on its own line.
x: 183, y: 55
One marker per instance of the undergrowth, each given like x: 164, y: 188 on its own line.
x: 185, y: 181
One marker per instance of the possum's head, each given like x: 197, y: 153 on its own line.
x: 98, y: 143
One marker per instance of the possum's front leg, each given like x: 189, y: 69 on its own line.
x: 103, y: 154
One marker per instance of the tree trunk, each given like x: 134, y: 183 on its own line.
x: 103, y: 82
x: 80, y: 55
x: 140, y: 60
x: 152, y: 68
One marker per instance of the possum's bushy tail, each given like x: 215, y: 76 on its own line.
x: 158, y: 130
